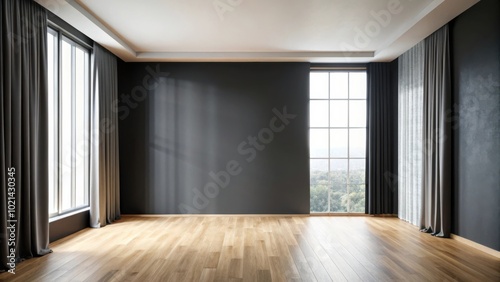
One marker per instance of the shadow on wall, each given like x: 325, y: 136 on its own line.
x: 217, y: 138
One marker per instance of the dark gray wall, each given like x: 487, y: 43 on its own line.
x: 183, y: 121
x: 475, y: 42
x: 68, y: 225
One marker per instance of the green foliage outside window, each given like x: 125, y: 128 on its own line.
x: 340, y: 200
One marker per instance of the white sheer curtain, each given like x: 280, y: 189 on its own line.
x: 410, y: 125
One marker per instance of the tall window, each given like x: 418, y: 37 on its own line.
x: 68, y: 108
x: 337, y: 141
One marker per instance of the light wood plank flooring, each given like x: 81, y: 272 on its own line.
x: 258, y: 248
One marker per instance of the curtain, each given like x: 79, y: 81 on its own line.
x: 380, y: 190
x: 424, y: 165
x: 105, y: 178
x: 23, y: 132
x: 410, y: 109
x: 436, y: 158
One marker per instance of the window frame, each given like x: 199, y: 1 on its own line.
x: 348, y: 184
x: 75, y: 43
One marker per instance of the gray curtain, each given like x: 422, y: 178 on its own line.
x: 105, y: 177
x: 436, y: 158
x: 23, y: 129
x: 380, y: 167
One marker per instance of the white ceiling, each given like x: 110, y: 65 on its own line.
x: 257, y: 30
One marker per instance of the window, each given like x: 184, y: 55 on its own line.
x: 337, y: 141
x: 68, y: 108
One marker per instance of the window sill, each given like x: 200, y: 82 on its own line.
x: 338, y: 214
x: 61, y: 216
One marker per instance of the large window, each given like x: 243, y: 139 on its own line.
x: 68, y: 108
x: 337, y: 141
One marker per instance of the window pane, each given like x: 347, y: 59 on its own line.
x: 356, y: 171
x: 319, y: 167
x: 339, y: 85
x: 319, y: 185
x: 357, y: 85
x: 66, y: 125
x: 51, y: 119
x: 338, y: 113
x: 357, y: 113
x: 338, y: 143
x: 338, y: 172
x: 338, y: 198
x: 357, y: 143
x: 318, y: 111
x: 357, y: 198
x: 318, y: 88
x: 86, y: 128
x: 338, y: 178
x: 318, y: 142
x: 80, y: 88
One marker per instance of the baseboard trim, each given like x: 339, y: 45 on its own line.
x: 211, y: 215
x: 337, y: 214
x: 254, y: 215
x: 475, y: 245
x: 384, y: 215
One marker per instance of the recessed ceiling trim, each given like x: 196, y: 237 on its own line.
x: 409, y: 24
x: 224, y: 42
x: 251, y: 55
x: 101, y: 25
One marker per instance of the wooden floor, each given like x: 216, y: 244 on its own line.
x: 258, y: 248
